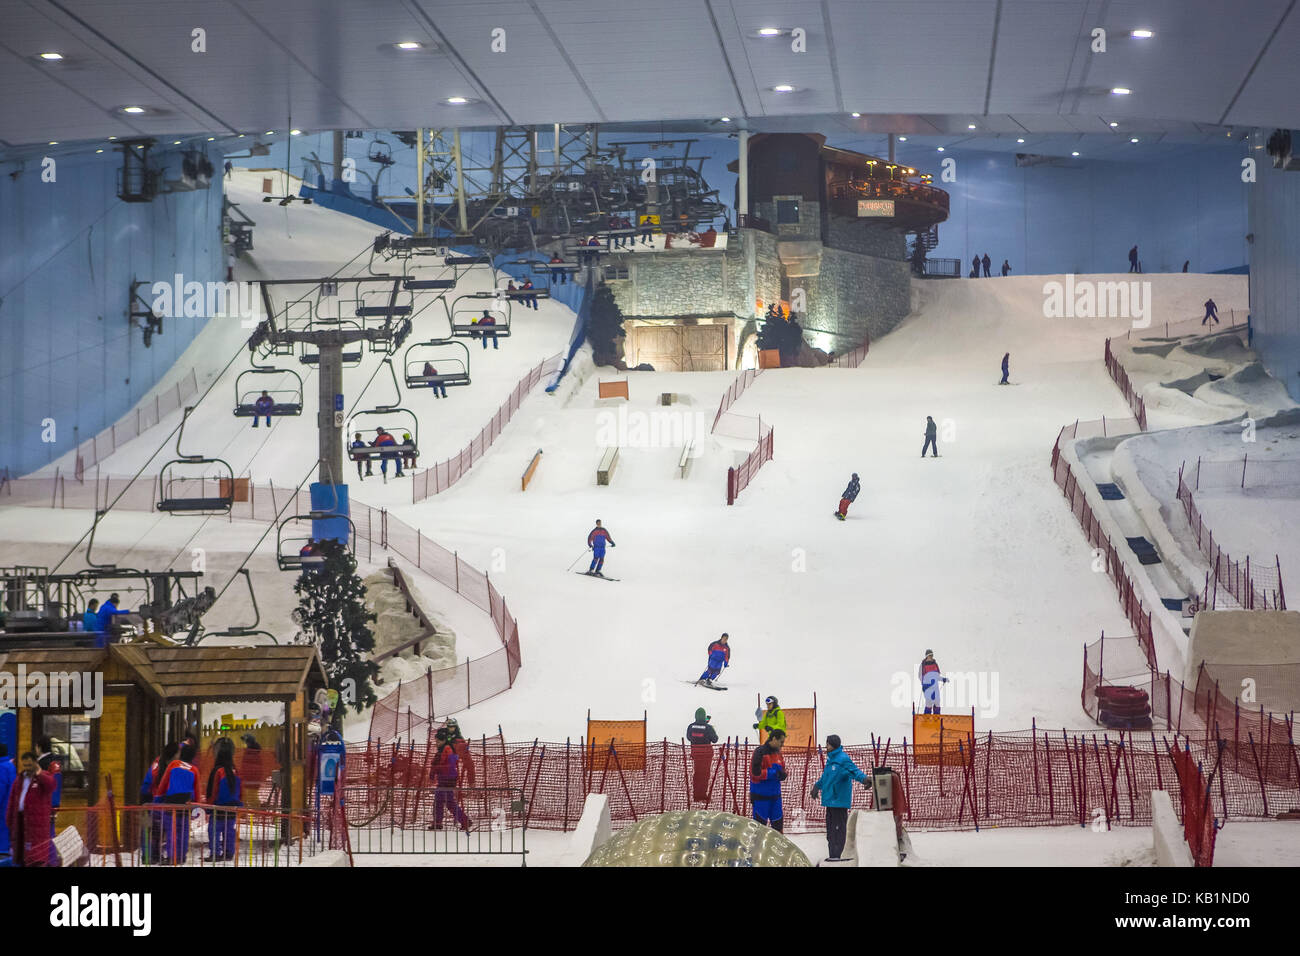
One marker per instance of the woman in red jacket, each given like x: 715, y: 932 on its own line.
x: 28, y: 814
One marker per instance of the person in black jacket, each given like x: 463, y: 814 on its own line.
x: 701, y: 736
x: 1006, y: 369
x: 849, y: 496
x: 1133, y: 260
x: 931, y: 431
x: 988, y: 264
x: 975, y: 267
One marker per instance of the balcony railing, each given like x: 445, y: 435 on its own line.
x: 854, y: 190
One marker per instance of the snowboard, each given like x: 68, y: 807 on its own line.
x: 698, y: 683
x: 590, y: 574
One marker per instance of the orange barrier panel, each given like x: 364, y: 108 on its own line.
x: 628, y: 738
x: 528, y: 472
x: 769, y: 358
x: 800, y: 726
x: 240, y: 490
x: 613, y: 389
x: 936, y: 738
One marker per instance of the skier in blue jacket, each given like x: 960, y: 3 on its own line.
x: 596, y: 541
x: 835, y: 786
x: 719, y: 657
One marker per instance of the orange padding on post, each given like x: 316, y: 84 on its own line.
x: 942, y: 738
x: 532, y: 467
x: 628, y: 737
x: 614, y: 389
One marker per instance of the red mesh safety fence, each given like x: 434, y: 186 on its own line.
x: 1134, y: 609
x: 456, y: 687
x: 1253, y: 585
x: 1199, y: 826
x: 739, y: 477
x: 852, y: 358
x: 1120, y: 377
x: 734, y: 391
x: 145, y: 415
x: 444, y: 474
x: 1029, y: 778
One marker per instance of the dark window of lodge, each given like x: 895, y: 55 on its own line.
x: 787, y: 212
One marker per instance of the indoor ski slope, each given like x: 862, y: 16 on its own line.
x: 973, y: 554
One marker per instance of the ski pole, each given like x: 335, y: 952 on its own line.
x: 577, y: 559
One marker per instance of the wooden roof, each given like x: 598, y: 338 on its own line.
x: 180, y: 674
x: 53, y: 660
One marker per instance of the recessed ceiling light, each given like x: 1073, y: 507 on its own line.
x: 940, y: 148
x: 1113, y: 125
x: 1021, y: 140
x: 53, y: 142
x: 51, y: 56
x: 783, y: 88
x: 457, y: 100
x: 1121, y: 91
x: 99, y: 150
x: 770, y: 32
x: 270, y: 132
x: 1133, y: 140
x: 970, y: 125
x: 241, y: 136
x: 1142, y: 34
x: 902, y: 139
x: 132, y: 109
x: 408, y: 45
x: 111, y: 138
x: 176, y: 142
x: 855, y: 115
x: 1075, y: 153
x: 139, y: 146
x: 726, y: 119
x: 295, y: 132
x: 211, y: 138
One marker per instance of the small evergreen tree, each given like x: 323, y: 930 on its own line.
x: 605, y: 328
x: 334, y: 617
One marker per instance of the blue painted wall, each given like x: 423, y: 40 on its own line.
x: 1275, y: 271
x: 1085, y: 218
x: 68, y: 252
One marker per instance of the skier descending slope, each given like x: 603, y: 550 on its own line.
x: 930, y: 677
x: 596, y: 541
x: 850, y: 495
x: 719, y: 657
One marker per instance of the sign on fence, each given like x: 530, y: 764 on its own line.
x: 945, y: 738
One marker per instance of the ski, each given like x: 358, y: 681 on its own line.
x: 588, y: 574
x: 698, y: 683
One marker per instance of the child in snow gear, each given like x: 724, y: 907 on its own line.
x: 766, y: 771
x: 445, y: 772
x: 773, y: 719
x: 701, y: 736
x: 719, y: 657
x: 930, y: 677
x: 465, y: 770
x: 360, y: 442
x: 224, y: 790
x: 835, y: 786
x: 1006, y: 369
x: 850, y: 495
x: 931, y: 431
x: 596, y: 541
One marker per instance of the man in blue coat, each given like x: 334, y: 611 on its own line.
x: 850, y: 495
x: 8, y: 774
x: 106, y: 612
x: 835, y: 786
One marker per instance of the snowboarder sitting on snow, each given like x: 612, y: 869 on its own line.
x: 766, y: 772
x: 701, y: 737
x: 1006, y: 369
x: 930, y: 679
x: 596, y: 541
x: 719, y: 657
x: 931, y: 433
x: 773, y: 719
x: 850, y: 495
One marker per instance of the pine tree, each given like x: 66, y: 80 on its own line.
x: 332, y: 610
x: 605, y: 327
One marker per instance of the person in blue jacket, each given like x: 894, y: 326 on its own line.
x: 90, y: 620
x: 178, y: 787
x: 719, y: 657
x: 8, y: 774
x: 106, y: 612
x: 224, y: 790
x: 263, y: 407
x: 596, y: 541
x: 850, y: 495
x: 835, y: 786
x: 1006, y: 369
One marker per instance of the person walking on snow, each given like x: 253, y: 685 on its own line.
x: 719, y: 657
x: 975, y: 267
x: 445, y: 772
x: 701, y: 736
x: 835, y: 786
x: 773, y: 719
x: 1211, y: 312
x: 766, y: 771
x: 1006, y: 268
x: 596, y: 542
x: 931, y: 441
x: 1006, y: 369
x: 850, y: 495
x: 930, y: 678
x: 988, y: 264
x: 465, y: 770
x: 1133, y: 260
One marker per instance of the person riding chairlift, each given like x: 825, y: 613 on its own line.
x: 384, y: 439
x: 430, y: 372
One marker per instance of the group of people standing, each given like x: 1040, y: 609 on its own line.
x: 987, y: 264
x: 174, y: 782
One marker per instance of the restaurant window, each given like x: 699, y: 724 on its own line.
x: 70, y: 742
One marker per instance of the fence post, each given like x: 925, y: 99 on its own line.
x: 731, y: 486
x: 468, y: 701
x: 456, y: 562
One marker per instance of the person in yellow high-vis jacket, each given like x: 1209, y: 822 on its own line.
x: 772, y: 719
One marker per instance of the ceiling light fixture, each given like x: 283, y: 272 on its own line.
x: 132, y: 109
x: 51, y: 56
x: 176, y: 142
x: 1113, y: 125
x: 1075, y: 153
x: 409, y: 45
x: 295, y: 132
x: 99, y: 150
x: 211, y: 138
x: 53, y: 142
x: 1021, y: 140
x: 770, y: 32
x: 783, y: 88
x: 1133, y: 140
x: 1121, y: 91
x: 902, y: 139
x: 111, y: 138
x: 270, y: 132
x: 726, y: 119
x: 855, y: 115
x: 940, y: 148
x: 1142, y: 34
x: 457, y: 100
x: 970, y: 125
